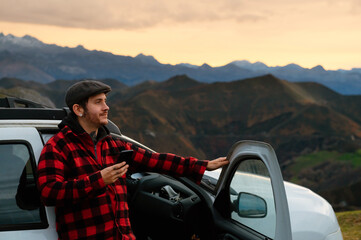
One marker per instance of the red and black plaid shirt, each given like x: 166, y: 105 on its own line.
x: 70, y: 179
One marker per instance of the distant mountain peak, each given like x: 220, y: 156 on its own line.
x: 205, y: 66
x: 181, y: 78
x: 30, y: 38
x: 148, y: 59
x: 187, y: 65
x: 242, y: 62
x: 318, y: 68
x: 293, y: 66
x: 26, y: 41
x: 80, y: 46
x: 179, y: 82
x: 141, y: 55
x: 270, y: 76
x: 257, y: 66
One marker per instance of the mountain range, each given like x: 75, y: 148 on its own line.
x: 28, y: 58
x: 289, y: 115
x: 188, y: 117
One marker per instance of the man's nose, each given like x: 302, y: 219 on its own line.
x: 106, y: 107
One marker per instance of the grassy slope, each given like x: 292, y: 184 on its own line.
x: 314, y: 159
x: 350, y: 223
x: 333, y: 175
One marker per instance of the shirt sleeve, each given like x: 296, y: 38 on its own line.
x: 168, y: 163
x: 54, y: 189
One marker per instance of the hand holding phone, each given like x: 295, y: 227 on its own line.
x: 126, y: 156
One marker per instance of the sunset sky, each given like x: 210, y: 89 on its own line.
x: 275, y: 32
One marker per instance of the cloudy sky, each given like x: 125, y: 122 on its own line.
x: 275, y: 32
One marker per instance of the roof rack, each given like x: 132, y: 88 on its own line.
x: 17, y: 108
x: 33, y: 113
x: 13, y: 102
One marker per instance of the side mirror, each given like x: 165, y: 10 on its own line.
x: 251, y: 206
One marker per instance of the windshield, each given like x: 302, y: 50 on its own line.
x: 210, y: 178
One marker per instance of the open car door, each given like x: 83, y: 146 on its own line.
x: 250, y: 195
x: 247, y: 203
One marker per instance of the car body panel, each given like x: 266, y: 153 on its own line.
x: 312, y: 217
x: 31, y: 136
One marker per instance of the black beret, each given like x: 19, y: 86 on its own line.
x: 83, y: 90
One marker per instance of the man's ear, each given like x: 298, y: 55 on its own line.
x: 78, y: 110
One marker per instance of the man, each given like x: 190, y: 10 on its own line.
x: 80, y: 174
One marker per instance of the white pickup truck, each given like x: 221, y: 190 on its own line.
x: 247, y: 200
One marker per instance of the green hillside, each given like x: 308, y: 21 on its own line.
x: 332, y: 174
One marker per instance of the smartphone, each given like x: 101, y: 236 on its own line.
x: 125, y: 155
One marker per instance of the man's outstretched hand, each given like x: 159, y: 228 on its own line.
x: 217, y: 163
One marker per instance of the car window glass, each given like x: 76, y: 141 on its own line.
x: 46, y: 136
x: 19, y: 199
x: 252, y: 197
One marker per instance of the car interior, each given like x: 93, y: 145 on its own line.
x: 164, y: 208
